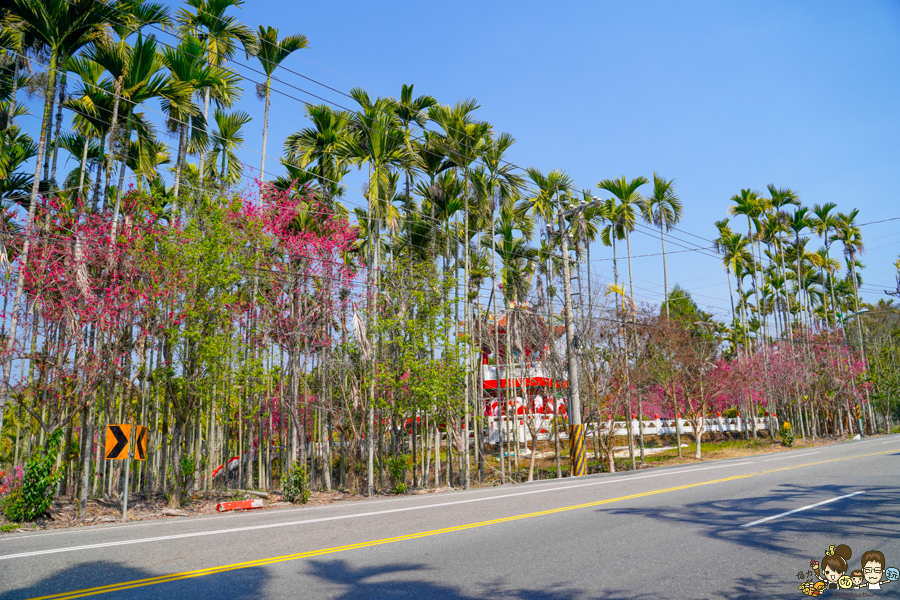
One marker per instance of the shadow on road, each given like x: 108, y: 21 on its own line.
x: 343, y: 581
x: 336, y: 579
x: 243, y: 584
x: 873, y: 514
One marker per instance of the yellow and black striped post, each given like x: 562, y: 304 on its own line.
x: 859, y: 421
x: 576, y: 450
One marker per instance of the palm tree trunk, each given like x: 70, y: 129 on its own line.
x: 12, y: 96
x: 59, y: 118
x: 206, y: 124
x: 84, y: 154
x: 745, y: 352
x: 26, y: 246
x: 87, y: 433
x: 612, y: 237
x: 47, y: 121
x: 662, y: 240
x: 113, y: 134
x: 731, y: 299
x: 121, y: 190
x: 373, y: 282
x: 468, y: 348
x: 799, y: 260
x: 126, y: 136
x: 495, y: 293
x: 785, y: 314
x: 834, y: 306
x: 587, y: 247
x: 634, y: 335
x: 262, y: 165
x: 178, y: 161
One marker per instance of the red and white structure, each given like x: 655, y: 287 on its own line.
x: 520, y: 394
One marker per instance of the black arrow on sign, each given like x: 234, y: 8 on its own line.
x: 121, y: 442
x: 139, y: 448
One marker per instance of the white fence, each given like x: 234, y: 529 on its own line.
x: 512, y: 428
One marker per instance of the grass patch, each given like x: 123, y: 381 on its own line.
x: 9, y: 527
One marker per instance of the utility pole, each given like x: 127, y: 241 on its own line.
x: 576, y: 428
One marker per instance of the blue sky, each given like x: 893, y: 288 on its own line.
x: 718, y: 95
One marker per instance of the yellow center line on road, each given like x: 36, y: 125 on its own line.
x: 127, y: 585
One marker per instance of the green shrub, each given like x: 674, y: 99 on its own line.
x: 187, y: 473
x: 396, y: 467
x: 296, y: 484
x: 38, y: 485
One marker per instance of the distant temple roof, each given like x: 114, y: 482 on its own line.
x: 530, y: 331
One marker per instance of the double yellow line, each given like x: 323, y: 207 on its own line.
x: 127, y: 585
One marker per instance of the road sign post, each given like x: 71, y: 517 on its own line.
x: 128, y: 454
x: 859, y: 422
x: 119, y: 447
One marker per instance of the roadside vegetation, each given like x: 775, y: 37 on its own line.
x: 288, y: 333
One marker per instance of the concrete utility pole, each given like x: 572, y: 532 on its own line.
x: 576, y: 429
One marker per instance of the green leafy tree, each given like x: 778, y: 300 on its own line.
x: 38, y: 484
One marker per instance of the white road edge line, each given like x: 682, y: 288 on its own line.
x: 791, y: 456
x: 282, y: 511
x: 351, y: 516
x: 796, y: 510
x: 625, y: 476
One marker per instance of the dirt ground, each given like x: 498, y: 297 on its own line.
x: 63, y: 512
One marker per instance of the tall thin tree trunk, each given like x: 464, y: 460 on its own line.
x: 662, y: 240
x: 182, y: 145
x: 87, y: 433
x: 634, y: 336
x: 202, y: 158
x: 113, y: 135
x: 59, y: 119
x: 262, y: 165
x: 26, y: 247
x: 84, y: 155
x: 11, y: 113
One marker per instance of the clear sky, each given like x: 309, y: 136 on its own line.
x: 718, y: 95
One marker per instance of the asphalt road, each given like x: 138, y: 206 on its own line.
x: 710, y: 530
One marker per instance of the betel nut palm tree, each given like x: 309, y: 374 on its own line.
x: 137, y: 76
x: 825, y: 223
x: 630, y: 201
x: 271, y: 53
x: 218, y: 34
x: 227, y: 137
x: 411, y: 111
x: 320, y: 143
x: 750, y: 204
x: 186, y: 65
x: 663, y: 209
